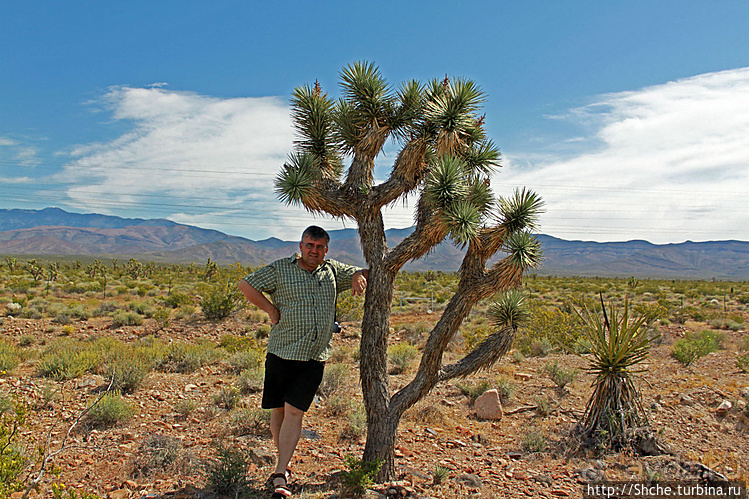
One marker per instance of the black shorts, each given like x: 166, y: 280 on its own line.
x: 291, y: 381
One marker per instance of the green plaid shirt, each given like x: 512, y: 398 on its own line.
x: 306, y: 302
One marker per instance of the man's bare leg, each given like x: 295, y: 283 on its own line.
x: 288, y: 429
x: 276, y: 420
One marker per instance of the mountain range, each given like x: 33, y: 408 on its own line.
x: 56, y: 232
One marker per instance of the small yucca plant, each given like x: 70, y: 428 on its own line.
x: 614, y: 416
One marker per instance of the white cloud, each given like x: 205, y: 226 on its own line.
x: 195, y: 159
x: 670, y: 163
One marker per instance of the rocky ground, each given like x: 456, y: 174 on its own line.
x: 480, y: 457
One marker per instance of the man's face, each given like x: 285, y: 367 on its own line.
x: 313, y: 253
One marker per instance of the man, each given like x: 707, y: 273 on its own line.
x: 303, y: 290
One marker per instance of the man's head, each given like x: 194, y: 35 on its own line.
x: 314, y: 247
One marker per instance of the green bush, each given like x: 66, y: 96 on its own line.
x: 401, y: 356
x: 227, y: 474
x: 696, y: 345
x: 177, y: 299
x: 112, y: 409
x: 559, y: 375
x: 473, y: 389
x: 249, y: 421
x: 10, y: 356
x: 359, y: 475
x: 219, y: 301
x: 334, y: 378
x: 186, y: 358
x: 123, y: 318
x: 251, y: 380
x: 67, y: 360
x: 158, y: 454
x: 742, y: 362
x: 533, y: 441
x: 12, y: 460
x: 228, y: 397
x: 246, y: 359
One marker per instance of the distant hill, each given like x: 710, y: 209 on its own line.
x: 53, y: 231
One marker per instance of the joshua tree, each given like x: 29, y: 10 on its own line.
x: 446, y: 161
x: 614, y: 416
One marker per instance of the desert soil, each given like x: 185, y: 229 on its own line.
x: 484, y: 457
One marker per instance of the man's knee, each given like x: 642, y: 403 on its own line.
x: 291, y: 411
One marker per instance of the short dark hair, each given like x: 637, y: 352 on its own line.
x: 315, y: 232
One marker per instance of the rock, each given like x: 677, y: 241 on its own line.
x: 723, y: 408
x: 543, y: 479
x: 488, y: 405
x: 311, y: 434
x: 470, y: 480
x: 262, y: 457
x: 190, y: 387
x: 119, y: 494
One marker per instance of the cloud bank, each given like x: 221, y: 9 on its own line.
x: 666, y: 163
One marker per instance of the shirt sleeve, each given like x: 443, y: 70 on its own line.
x: 343, y: 273
x: 264, y: 279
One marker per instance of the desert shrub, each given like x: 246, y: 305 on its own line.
x: 401, y: 356
x: 439, y: 474
x: 550, y: 328
x: 544, y: 405
x: 533, y: 440
x: 505, y: 388
x: 227, y: 473
x: 177, y: 299
x: 228, y: 397
x: 340, y: 404
x: 105, y: 308
x: 334, y: 378
x: 232, y: 343
x: 12, y: 460
x: 184, y: 311
x: 129, y: 370
x: 141, y: 308
x: 10, y: 356
x: 695, y: 345
x: 359, y: 475
x: 123, y: 318
x: 342, y: 354
x: 185, y: 407
x: 162, y: 317
x: 350, y: 307
x: 67, y: 360
x: 742, y: 362
x: 473, y: 389
x: 249, y: 421
x: 250, y: 380
x: 186, y: 357
x: 112, y: 409
x: 473, y: 336
x: 219, y: 301
x: 246, y: 359
x: 559, y: 375
x: 158, y: 454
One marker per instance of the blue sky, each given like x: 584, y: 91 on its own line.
x: 631, y: 119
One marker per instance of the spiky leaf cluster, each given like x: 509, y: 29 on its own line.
x: 509, y: 310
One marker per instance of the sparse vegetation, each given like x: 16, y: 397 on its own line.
x: 169, y: 374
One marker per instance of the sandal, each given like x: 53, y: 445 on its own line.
x: 280, y: 491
